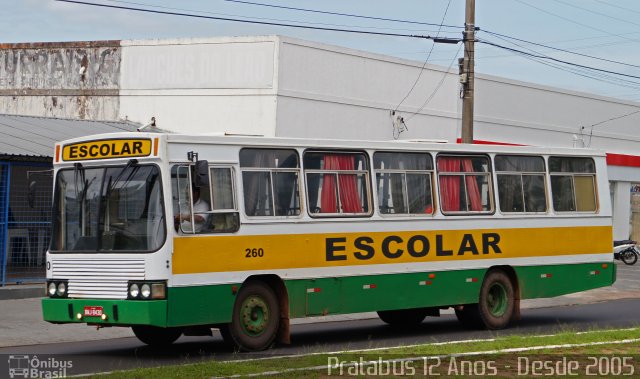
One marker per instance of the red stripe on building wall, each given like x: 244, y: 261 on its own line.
x: 481, y: 142
x: 612, y: 158
x: 623, y: 160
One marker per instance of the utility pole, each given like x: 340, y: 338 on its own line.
x: 467, y: 71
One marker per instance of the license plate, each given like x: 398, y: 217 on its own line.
x: 93, y: 311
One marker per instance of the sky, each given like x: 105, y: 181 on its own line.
x: 602, y: 34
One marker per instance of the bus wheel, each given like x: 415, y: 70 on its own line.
x: 256, y: 317
x: 403, y: 317
x: 156, y: 336
x: 497, y: 300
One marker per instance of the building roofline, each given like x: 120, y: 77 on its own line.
x: 281, y: 39
x: 64, y: 44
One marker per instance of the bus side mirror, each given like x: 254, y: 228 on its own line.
x: 201, y: 173
x: 31, y: 196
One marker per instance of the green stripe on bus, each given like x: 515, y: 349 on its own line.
x: 119, y: 312
x: 207, y: 305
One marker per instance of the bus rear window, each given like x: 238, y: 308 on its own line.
x: 573, y: 184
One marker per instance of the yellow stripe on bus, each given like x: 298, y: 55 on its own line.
x: 222, y: 253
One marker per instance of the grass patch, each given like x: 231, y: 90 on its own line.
x: 581, y: 353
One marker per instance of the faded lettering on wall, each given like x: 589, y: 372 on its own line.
x: 60, y: 68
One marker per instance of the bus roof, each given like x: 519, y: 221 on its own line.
x: 417, y: 145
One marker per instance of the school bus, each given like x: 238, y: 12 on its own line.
x: 174, y: 234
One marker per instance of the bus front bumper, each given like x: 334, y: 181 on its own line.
x: 105, y: 312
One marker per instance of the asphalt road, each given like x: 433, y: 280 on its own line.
x: 126, y: 353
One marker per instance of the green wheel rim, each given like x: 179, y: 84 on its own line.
x: 254, y: 315
x: 497, y: 299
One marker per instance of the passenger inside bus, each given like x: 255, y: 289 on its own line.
x: 200, y: 216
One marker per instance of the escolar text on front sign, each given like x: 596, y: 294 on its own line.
x: 106, y: 149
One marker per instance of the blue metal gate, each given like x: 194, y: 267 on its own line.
x: 24, y: 231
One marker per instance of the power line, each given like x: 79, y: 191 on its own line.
x: 435, y: 39
x: 509, y: 55
x: 425, y: 61
x: 255, y: 17
x: 596, y: 12
x: 557, y: 60
x: 573, y: 21
x: 617, y: 6
x: 601, y: 77
x: 342, y: 14
x: 435, y: 90
x: 614, y: 118
x: 558, y: 49
x: 584, y: 73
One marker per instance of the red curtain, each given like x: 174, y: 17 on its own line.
x: 472, y: 187
x: 328, y: 202
x: 349, y: 196
x: 449, y: 184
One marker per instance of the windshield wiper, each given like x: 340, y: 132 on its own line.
x: 112, y: 185
x: 78, y: 168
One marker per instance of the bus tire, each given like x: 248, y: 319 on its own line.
x: 156, y: 336
x: 256, y: 317
x: 497, y: 300
x: 403, y: 317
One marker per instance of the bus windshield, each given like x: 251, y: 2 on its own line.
x: 108, y: 209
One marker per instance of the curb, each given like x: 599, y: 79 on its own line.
x: 21, y: 292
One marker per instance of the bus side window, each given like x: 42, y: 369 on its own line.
x: 521, y: 183
x: 271, y: 182
x: 573, y: 184
x: 403, y: 182
x: 337, y: 183
x: 224, y: 216
x: 465, y: 184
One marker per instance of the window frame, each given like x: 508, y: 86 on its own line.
x: 234, y: 190
x: 521, y: 174
x: 271, y: 171
x: 367, y: 181
x: 234, y: 187
x: 488, y: 174
x: 429, y: 173
x: 62, y: 226
x: 572, y: 175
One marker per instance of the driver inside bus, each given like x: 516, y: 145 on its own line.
x: 200, y: 217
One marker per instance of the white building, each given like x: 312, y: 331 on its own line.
x: 277, y: 86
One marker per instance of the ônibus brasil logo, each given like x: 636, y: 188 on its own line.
x: 26, y: 366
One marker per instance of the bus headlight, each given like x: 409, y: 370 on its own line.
x: 62, y: 289
x: 134, y: 290
x: 51, y: 289
x: 57, y: 288
x: 147, y: 290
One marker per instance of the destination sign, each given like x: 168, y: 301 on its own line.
x: 107, y: 149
